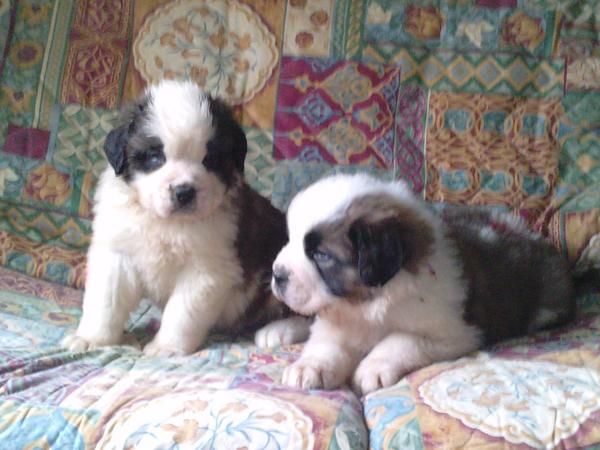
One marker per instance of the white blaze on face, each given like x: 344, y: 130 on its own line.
x: 155, y: 189
x: 178, y: 114
x: 305, y: 292
x: 324, y: 201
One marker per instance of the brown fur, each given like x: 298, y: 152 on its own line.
x: 375, y: 215
x: 509, y: 278
x: 415, y: 231
x: 261, y: 227
x: 261, y: 234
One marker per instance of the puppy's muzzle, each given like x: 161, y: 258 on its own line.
x: 281, y: 277
x: 183, y: 195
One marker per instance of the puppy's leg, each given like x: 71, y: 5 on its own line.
x: 112, y: 291
x: 192, y: 310
x: 283, y: 332
x: 326, y: 362
x: 399, y: 354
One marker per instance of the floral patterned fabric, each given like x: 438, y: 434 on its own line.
x: 538, y: 392
x: 470, y: 101
x: 226, y: 396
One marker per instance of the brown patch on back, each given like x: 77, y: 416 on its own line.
x: 262, y: 233
x: 510, y: 278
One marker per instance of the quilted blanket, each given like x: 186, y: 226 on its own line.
x: 226, y: 396
x: 539, y: 392
x: 486, y: 102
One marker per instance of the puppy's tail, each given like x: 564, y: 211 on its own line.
x: 587, y: 281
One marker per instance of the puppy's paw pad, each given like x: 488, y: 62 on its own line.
x: 375, y: 374
x: 282, y: 332
x: 309, y: 375
x: 76, y: 344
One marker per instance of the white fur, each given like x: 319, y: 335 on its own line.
x: 488, y: 234
x: 179, y: 115
x: 189, y: 268
x: 324, y: 201
x: 185, y: 262
x: 413, y: 321
x: 329, y: 198
x: 283, y: 332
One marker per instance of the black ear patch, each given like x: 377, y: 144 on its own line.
x: 115, y: 147
x: 226, y: 150
x: 239, y: 145
x: 380, y: 250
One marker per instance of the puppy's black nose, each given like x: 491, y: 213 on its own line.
x: 280, y: 278
x: 184, y: 194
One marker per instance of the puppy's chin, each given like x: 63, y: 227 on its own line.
x: 302, y: 302
x: 308, y: 308
x: 163, y: 210
x: 189, y: 212
x: 157, y: 205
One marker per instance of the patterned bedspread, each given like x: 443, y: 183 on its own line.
x: 542, y: 392
x: 226, y: 396
x: 486, y: 102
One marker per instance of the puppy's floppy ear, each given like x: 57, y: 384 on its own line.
x: 229, y: 134
x: 114, y: 148
x: 379, y: 248
x: 115, y: 145
x: 239, y: 145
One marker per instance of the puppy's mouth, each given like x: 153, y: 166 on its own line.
x: 183, y: 209
x: 294, y: 302
x: 277, y: 292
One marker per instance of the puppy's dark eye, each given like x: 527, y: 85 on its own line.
x: 321, y: 257
x: 155, y: 158
x: 149, y: 159
x: 211, y: 160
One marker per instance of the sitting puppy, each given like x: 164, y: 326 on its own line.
x: 396, y: 287
x: 175, y: 222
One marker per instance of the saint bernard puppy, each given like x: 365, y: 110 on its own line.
x: 395, y: 286
x: 175, y: 222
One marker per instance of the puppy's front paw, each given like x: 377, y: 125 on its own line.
x: 153, y: 348
x: 372, y: 374
x: 282, y: 332
x: 310, y: 374
x: 77, y: 344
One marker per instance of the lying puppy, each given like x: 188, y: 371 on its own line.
x: 175, y: 222
x: 396, y: 287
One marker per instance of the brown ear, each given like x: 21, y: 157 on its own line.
x: 380, y: 250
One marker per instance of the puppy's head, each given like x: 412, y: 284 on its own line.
x: 178, y: 149
x: 349, y: 236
